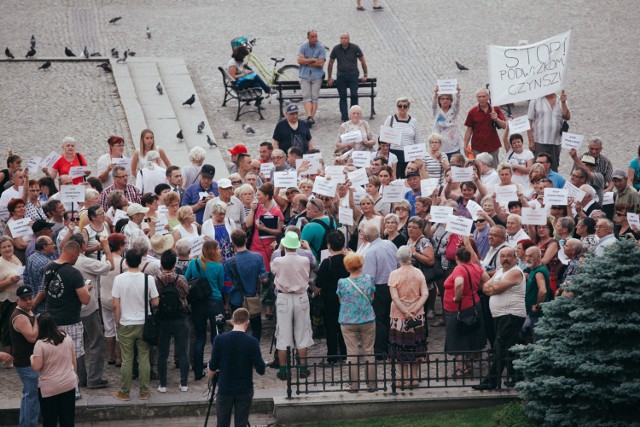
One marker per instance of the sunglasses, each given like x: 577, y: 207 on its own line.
x: 480, y: 220
x: 403, y: 106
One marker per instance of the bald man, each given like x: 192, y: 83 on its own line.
x: 482, y: 123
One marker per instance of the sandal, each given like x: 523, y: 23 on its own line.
x: 361, y: 8
x: 461, y: 373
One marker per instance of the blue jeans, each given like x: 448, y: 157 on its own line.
x: 254, y: 83
x: 203, y: 313
x: 30, y: 403
x: 343, y: 82
x: 178, y: 329
x: 225, y: 404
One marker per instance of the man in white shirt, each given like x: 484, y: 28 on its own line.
x: 235, y: 209
x: 604, y: 230
x: 515, y: 233
x: 14, y: 192
x: 497, y: 240
x: 489, y: 175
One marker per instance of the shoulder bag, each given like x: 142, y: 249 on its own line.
x: 432, y: 274
x: 251, y: 303
x: 467, y: 321
x: 358, y: 289
x: 151, y: 330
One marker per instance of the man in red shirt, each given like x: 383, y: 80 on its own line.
x: 482, y: 123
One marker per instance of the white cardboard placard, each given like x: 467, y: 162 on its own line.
x: 415, y: 152
x: 34, y: 164
x: 447, y: 87
x: 48, y: 161
x: 345, y: 216
x: 161, y: 224
x: 285, y: 179
x: 473, y: 209
x: 555, y: 196
x: 78, y: 171
x: 324, y: 187
x: 461, y: 174
x: 265, y: 168
x: 351, y: 137
x: 571, y: 140
x: 336, y: 173
x: 314, y: 169
x: 72, y: 193
x: 20, y: 227
x: 459, y: 225
x: 393, y: 193
x: 440, y: 214
x: 427, y: 186
x: 531, y: 216
x: 196, y: 245
x: 607, y: 198
x: 358, y: 177
x: 391, y: 135
x: 361, y: 159
x: 574, y: 191
x: 506, y: 193
x: 519, y: 125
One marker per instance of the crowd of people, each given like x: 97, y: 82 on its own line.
x: 360, y: 236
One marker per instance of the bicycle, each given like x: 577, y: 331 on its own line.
x: 285, y: 73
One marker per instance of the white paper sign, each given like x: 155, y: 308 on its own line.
x: 120, y: 161
x: 440, y: 214
x: 571, y: 140
x: 361, y: 159
x: 555, y: 196
x: 265, y: 168
x: 415, y: 152
x: 393, y: 193
x: 336, y: 173
x: 314, y: 168
x: 506, y: 193
x: 633, y: 219
x: 351, y: 137
x: 324, y: 187
x: 163, y: 210
x: 285, y: 179
x: 312, y: 156
x: 48, y: 161
x: 72, y: 193
x: 574, y: 191
x: 473, y: 209
x: 520, y: 73
x: 391, y: 135
x: 161, y: 224
x: 20, y: 228
x: 447, y: 87
x: 324, y: 254
x: 519, y: 125
x: 427, y: 186
x: 607, y: 198
x: 20, y: 270
x: 459, y: 225
x: 531, y: 216
x: 33, y: 164
x: 78, y: 171
x: 196, y: 246
x: 461, y: 174
x: 345, y: 216
x: 118, y: 215
x: 358, y: 177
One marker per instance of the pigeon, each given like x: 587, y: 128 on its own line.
x: 124, y: 57
x: 8, y: 54
x: 33, y: 41
x: 159, y: 88
x: 85, y: 52
x: 200, y: 127
x: 114, y: 20
x: 179, y: 135
x: 95, y: 54
x: 225, y: 134
x: 130, y: 52
x: 190, y: 101
x: 248, y: 129
x: 105, y: 66
x: 461, y: 67
x: 210, y: 142
x: 45, y: 65
x: 31, y: 53
x: 114, y: 53
x: 148, y: 33
x: 68, y: 52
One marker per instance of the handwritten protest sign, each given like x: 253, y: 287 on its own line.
x: 519, y: 125
x: 574, y: 191
x: 555, y: 196
x: 440, y: 214
x: 358, y: 177
x: 78, y: 171
x: 415, y: 152
x: 72, y: 193
x: 161, y: 224
x: 20, y: 227
x: 351, y: 137
x: 506, y: 193
x: 459, y: 225
x: 265, y: 168
x: 393, y: 193
x: 345, y: 215
x: 532, y: 216
x: 285, y: 179
x: 447, y: 87
x: 571, y: 140
x: 324, y: 187
x: 520, y: 73
x: 391, y: 135
x: 607, y: 198
x: 461, y: 174
x: 361, y: 159
x: 48, y: 161
x: 336, y: 173
x: 196, y: 246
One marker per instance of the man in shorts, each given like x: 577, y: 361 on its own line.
x: 311, y: 58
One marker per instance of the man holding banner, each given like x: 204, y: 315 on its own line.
x: 546, y: 117
x: 482, y: 123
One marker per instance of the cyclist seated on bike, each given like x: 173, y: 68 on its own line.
x: 245, y: 77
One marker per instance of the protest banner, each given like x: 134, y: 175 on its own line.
x: 121, y: 161
x: 20, y: 227
x: 78, y: 171
x: 285, y: 179
x: 265, y: 168
x: 314, y: 168
x: 50, y: 160
x: 574, y: 191
x: 393, y: 193
x: 34, y: 164
x: 473, y: 209
x: 555, y: 196
x: 607, y: 198
x: 196, y: 246
x: 161, y: 224
x: 521, y: 73
x: 447, y: 87
x: 351, y: 137
x: 361, y: 159
x: 345, y: 215
x: 506, y: 193
x: 633, y: 220
x: 336, y: 173
x: 358, y: 177
x: 428, y: 186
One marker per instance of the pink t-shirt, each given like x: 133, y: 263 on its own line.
x: 57, y: 374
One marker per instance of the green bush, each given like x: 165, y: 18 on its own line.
x: 511, y: 415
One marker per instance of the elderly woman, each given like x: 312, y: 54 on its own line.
x: 445, y: 110
x: 219, y: 228
x: 9, y: 282
x: 436, y: 162
x: 106, y: 161
x: 151, y: 174
x: 520, y: 159
x: 197, y: 156
x: 306, y: 187
x: 408, y: 331
x: 357, y: 320
x: 117, y: 246
x: 410, y: 131
x: 69, y: 159
x: 266, y: 219
x: 246, y: 195
x: 96, y: 228
x: 543, y: 238
x: 402, y: 209
x: 356, y: 124
x: 586, y: 229
x: 461, y: 300
x: 172, y: 202
x: 147, y: 143
x: 34, y: 207
x: 18, y: 212
x: 391, y: 233
x: 188, y: 228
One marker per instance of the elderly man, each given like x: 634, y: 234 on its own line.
x: 489, y: 176
x: 311, y: 58
x: 198, y: 194
x: 235, y: 210
x: 604, y: 231
x: 299, y: 206
x: 482, y: 123
x: 594, y: 178
x: 515, y: 232
x: 545, y: 119
x: 573, y: 250
x: 623, y: 193
x: 545, y: 160
x: 120, y: 177
x: 279, y: 159
x: 133, y: 229
x: 506, y: 291
x: 538, y: 288
x: 583, y: 208
x: 347, y: 54
x: 379, y: 261
x: 497, y: 240
x: 45, y: 251
x: 293, y: 322
x: 603, y: 164
x: 292, y: 132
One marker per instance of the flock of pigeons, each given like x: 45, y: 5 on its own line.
x: 189, y: 102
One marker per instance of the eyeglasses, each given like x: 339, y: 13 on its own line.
x: 121, y: 176
x: 403, y: 106
x: 75, y: 219
x: 236, y: 182
x: 579, y: 176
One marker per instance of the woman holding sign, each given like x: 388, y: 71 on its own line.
x: 348, y: 135
x: 70, y: 158
x: 18, y: 214
x: 267, y: 220
x: 445, y: 110
x: 108, y: 161
x: 96, y: 228
x: 410, y: 131
x: 10, y: 279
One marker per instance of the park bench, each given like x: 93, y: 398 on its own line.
x: 243, y: 96
x: 289, y: 91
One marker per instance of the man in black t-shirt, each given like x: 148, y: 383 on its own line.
x: 292, y: 132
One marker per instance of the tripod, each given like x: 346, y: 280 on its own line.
x: 213, y: 383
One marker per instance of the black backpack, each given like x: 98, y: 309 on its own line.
x: 169, y: 306
x: 199, y: 288
x: 327, y: 229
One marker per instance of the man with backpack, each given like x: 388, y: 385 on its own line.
x: 174, y: 321
x: 315, y: 232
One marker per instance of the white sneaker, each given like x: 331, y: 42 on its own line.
x: 162, y: 389
x: 184, y: 388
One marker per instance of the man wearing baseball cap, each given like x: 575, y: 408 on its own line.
x: 235, y: 209
x: 292, y: 132
x: 623, y: 193
x: 133, y: 229
x: 199, y: 193
x: 24, y: 333
x: 234, y: 151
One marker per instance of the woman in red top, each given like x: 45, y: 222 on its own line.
x: 69, y: 159
x: 461, y: 295
x: 267, y: 220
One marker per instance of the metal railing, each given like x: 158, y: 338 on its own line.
x: 394, y: 373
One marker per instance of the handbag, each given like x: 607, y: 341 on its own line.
x: 151, y: 330
x: 253, y: 303
x: 467, y: 321
x: 436, y: 272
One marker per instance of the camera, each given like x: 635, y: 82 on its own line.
x: 220, y: 320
